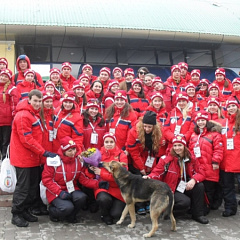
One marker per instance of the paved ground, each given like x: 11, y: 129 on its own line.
x: 92, y: 228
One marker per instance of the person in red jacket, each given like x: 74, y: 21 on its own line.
x: 93, y: 126
x: 224, y: 84
x: 85, y: 79
x: 184, y: 71
x: 141, y: 72
x: 22, y: 64
x: 148, y: 84
x: 108, y: 98
x: 214, y: 91
x: 67, y: 122
x: 195, y: 77
x: 60, y: 179
x: 28, y: 84
x: 66, y: 77
x: 236, y: 89
x: 8, y: 103
x: 80, y: 96
x: 87, y: 69
x: 214, y: 110
x: 137, y: 97
x: 184, y: 175
x: 55, y: 78
x: 206, y: 144
x: 104, y: 77
x: 120, y: 118
x: 202, y: 89
x: 25, y: 151
x: 110, y: 201
x: 50, y: 87
x: 179, y: 120
x: 127, y: 83
x: 3, y: 63
x: 230, y: 164
x: 118, y: 74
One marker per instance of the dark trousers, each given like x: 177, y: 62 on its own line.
x: 26, y: 192
x: 5, y: 133
x: 110, y: 205
x: 229, y: 194
x: 63, y: 208
x: 193, y: 199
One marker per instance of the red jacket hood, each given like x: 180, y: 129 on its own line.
x: 28, y: 61
x: 25, y: 105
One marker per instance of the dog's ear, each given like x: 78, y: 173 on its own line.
x: 123, y: 163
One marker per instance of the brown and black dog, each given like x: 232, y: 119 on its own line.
x: 136, y: 189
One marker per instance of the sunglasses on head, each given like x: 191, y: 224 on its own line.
x: 141, y: 73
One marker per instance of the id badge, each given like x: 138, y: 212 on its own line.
x: 51, y: 134
x: 112, y: 130
x: 70, y: 186
x: 177, y: 130
x: 149, y: 162
x: 230, y: 144
x: 54, y: 133
x: 94, y: 138
x: 197, y: 152
x: 181, y: 186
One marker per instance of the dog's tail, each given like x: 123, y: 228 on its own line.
x: 169, y: 209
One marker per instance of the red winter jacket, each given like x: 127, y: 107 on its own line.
x: 123, y: 127
x: 170, y: 124
x: 107, y: 156
x: 26, y: 138
x: 72, y: 126
x: 21, y: 77
x: 87, y: 131
x: 173, y: 176
x: 105, y: 85
x: 67, y: 83
x: 211, y: 147
x: 108, y: 99
x: 148, y: 91
x: 25, y: 87
x: 167, y: 97
x: 92, y: 95
x: 231, y: 161
x: 161, y: 113
x: 53, y: 180
x: 48, y: 126
x: 7, y: 108
x: 225, y: 92
x: 137, y: 153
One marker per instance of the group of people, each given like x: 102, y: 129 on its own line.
x: 185, y: 132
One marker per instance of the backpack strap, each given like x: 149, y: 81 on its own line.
x: 16, y: 77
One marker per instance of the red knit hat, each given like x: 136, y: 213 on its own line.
x: 183, y: 65
x: 55, y: 70
x: 156, y: 94
x: 129, y: 71
x: 7, y: 72
x: 67, y: 64
x: 111, y: 135
x: 179, y: 139
x: 46, y: 95
x: 213, y: 100
x: 67, y: 143
x: 157, y: 80
x: 78, y: 84
x: 220, y: 71
x: 111, y: 83
x: 69, y: 96
x: 87, y: 66
x: 120, y: 94
x: 4, y: 61
x: 196, y: 71
x: 236, y: 80
x: 107, y: 70
x: 117, y: 69
x: 27, y: 71
x: 182, y: 96
x: 93, y: 103
x: 137, y: 81
x: 231, y: 100
x: 83, y: 75
x: 190, y: 85
x: 202, y: 115
x: 49, y: 83
x: 205, y: 81
x: 213, y: 85
x: 174, y: 67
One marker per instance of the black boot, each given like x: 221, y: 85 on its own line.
x: 52, y: 214
x: 19, y: 221
x: 107, y: 219
x: 29, y: 217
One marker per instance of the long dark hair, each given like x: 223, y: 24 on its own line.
x: 86, y: 119
x: 186, y: 155
x: 83, y: 97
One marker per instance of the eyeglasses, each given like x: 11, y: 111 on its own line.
x: 202, y: 84
x: 141, y: 73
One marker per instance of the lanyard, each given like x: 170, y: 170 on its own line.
x: 81, y: 108
x: 197, y: 143
x: 38, y: 120
x: 116, y: 123
x: 61, y: 120
x: 183, y: 120
x: 92, y: 126
x: 64, y: 173
x: 227, y: 129
x: 183, y: 170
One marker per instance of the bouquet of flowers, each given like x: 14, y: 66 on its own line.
x: 92, y: 157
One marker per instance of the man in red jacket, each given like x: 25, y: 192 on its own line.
x: 25, y: 151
